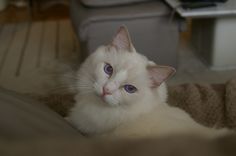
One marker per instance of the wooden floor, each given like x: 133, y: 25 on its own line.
x: 13, y: 14
x: 29, y: 49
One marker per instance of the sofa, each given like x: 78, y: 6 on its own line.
x: 153, y: 31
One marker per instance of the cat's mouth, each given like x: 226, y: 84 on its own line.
x: 109, y: 99
x: 101, y: 91
x: 105, y: 95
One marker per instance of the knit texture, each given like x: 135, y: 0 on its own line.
x: 213, y: 105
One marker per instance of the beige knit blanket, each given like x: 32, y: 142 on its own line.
x: 209, y: 104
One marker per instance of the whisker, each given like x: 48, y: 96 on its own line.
x: 70, y: 77
x: 86, y: 73
x: 83, y: 93
x: 86, y: 88
x: 72, y: 87
x: 88, y: 76
x: 65, y: 89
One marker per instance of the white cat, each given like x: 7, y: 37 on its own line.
x: 120, y: 93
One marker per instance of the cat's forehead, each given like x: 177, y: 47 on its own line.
x: 132, y: 63
x: 120, y: 60
x: 124, y: 59
x: 127, y: 61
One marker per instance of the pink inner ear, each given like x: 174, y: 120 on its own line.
x: 158, y: 74
x: 122, y: 40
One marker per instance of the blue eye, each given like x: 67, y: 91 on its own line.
x: 130, y: 89
x: 108, y: 69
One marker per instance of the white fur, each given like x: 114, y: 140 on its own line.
x: 141, y: 114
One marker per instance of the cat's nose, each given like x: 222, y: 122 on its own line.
x: 106, y: 91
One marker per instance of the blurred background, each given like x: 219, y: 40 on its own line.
x: 35, y: 10
x: 38, y: 38
x: 35, y: 35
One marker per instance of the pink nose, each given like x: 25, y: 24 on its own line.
x: 106, y: 91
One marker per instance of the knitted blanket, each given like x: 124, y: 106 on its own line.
x: 209, y: 104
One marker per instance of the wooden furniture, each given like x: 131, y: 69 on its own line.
x: 213, y: 33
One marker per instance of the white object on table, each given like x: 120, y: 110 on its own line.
x: 221, y: 9
x: 214, y: 32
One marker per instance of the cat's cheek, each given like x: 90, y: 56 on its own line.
x: 97, y: 88
x: 114, y: 99
x: 100, y: 75
x: 111, y: 101
x: 131, y: 98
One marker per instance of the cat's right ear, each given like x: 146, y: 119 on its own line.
x: 122, y: 40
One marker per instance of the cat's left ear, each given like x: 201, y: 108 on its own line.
x: 159, y: 74
x: 122, y: 40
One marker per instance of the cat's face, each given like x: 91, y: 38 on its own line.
x: 119, y: 75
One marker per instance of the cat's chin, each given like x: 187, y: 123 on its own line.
x: 109, y: 100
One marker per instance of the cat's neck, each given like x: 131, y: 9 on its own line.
x: 128, y: 111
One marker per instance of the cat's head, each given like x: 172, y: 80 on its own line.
x: 119, y: 75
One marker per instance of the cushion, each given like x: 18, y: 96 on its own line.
x: 96, y: 3
x: 169, y: 146
x: 24, y: 118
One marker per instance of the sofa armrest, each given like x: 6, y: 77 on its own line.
x: 22, y: 118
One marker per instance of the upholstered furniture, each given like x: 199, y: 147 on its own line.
x: 149, y: 22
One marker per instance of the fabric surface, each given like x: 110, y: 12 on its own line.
x: 208, y: 104
x: 99, y: 3
x: 176, y: 145
x: 82, y: 17
x: 24, y: 118
x: 213, y: 105
x: 152, y: 32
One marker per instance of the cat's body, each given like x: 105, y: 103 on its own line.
x: 92, y: 117
x: 120, y: 94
